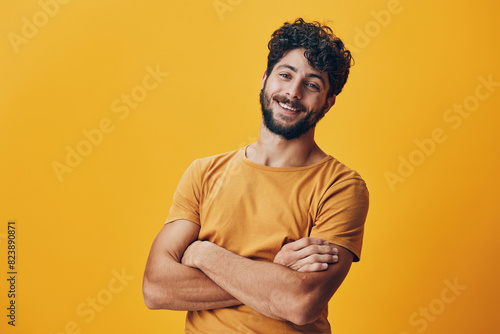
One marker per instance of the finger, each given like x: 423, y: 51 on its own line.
x: 314, y: 267
x: 334, y: 247
x: 307, y: 241
x: 321, y: 258
x: 315, y: 249
x: 316, y: 259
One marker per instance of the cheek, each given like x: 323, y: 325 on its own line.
x: 319, y: 102
x: 272, y: 87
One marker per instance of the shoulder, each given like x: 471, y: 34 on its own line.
x: 218, y: 161
x: 221, y: 157
x: 336, y: 173
x: 341, y: 183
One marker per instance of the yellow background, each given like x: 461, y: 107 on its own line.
x: 440, y: 225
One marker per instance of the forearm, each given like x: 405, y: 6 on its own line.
x: 269, y: 288
x: 175, y: 286
x: 168, y: 284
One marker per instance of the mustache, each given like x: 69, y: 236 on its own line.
x: 294, y: 104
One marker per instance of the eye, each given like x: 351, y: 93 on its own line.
x: 284, y: 75
x: 313, y: 86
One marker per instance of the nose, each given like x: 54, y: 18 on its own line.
x: 294, y: 90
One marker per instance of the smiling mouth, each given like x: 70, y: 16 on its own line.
x: 287, y: 107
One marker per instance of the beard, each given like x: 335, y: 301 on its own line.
x: 292, y: 131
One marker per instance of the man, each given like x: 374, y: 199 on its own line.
x: 259, y: 239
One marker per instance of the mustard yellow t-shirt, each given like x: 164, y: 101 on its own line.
x: 253, y: 210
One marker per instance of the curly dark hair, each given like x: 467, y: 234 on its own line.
x: 324, y: 51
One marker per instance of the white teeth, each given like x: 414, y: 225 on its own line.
x: 287, y: 107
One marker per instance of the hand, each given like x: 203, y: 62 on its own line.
x: 189, y: 256
x: 307, y: 255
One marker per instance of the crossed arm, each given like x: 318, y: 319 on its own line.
x: 183, y: 273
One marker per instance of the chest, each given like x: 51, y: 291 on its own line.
x: 255, y: 214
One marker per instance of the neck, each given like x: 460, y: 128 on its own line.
x: 275, y: 151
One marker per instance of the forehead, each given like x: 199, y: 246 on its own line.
x: 295, y: 58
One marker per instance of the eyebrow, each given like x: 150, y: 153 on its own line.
x: 308, y: 75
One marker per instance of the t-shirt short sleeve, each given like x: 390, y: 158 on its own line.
x: 341, y: 215
x: 186, y: 202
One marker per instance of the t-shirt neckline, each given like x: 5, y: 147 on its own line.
x: 244, y: 158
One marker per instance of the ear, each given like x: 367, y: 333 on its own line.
x: 264, y: 78
x: 330, y: 102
